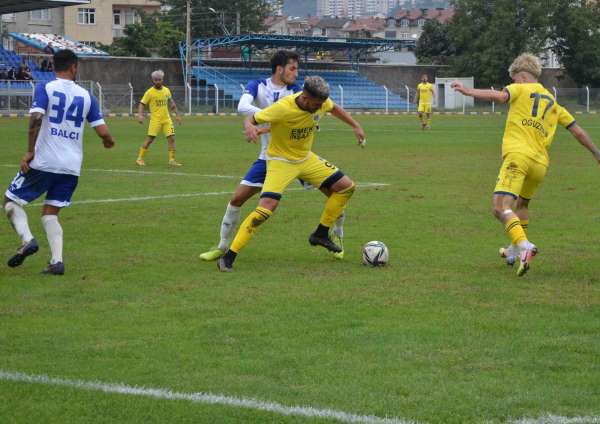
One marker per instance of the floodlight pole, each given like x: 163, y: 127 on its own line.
x: 189, y: 90
x: 216, y: 99
x: 188, y: 42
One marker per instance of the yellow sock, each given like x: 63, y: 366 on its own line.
x: 141, y: 153
x: 515, y: 231
x: 429, y: 121
x: 335, y: 206
x: 525, y: 225
x: 249, y: 227
x: 171, y: 154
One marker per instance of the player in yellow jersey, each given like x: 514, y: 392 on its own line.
x: 424, y: 99
x: 531, y: 123
x: 158, y: 98
x: 293, y: 121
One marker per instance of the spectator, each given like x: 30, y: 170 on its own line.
x: 50, y: 67
x: 48, y: 49
x: 24, y: 73
x: 12, y: 74
x: 44, y: 65
x: 3, y: 74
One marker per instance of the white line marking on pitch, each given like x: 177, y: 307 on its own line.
x: 201, y: 397
x: 184, y: 195
x: 555, y: 419
x: 136, y: 172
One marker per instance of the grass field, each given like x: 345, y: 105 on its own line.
x: 445, y: 334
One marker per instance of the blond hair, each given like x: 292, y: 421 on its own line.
x: 316, y: 87
x: 526, y: 63
x: 158, y: 74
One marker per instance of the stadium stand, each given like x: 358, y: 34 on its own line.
x: 57, y: 42
x: 9, y: 59
x: 359, y: 91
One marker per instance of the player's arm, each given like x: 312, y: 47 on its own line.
x: 104, y: 133
x: 245, y: 106
x: 417, y: 97
x: 585, y: 140
x: 489, y: 95
x: 140, y: 113
x: 35, y: 123
x: 345, y: 117
x: 251, y: 130
x: 174, y: 110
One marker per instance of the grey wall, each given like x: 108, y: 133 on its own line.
x: 117, y: 70
x: 134, y: 70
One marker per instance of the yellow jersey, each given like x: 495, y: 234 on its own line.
x: 158, y: 103
x: 292, y: 129
x: 425, y: 90
x: 532, y: 119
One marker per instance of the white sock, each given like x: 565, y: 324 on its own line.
x: 525, y: 244
x: 338, y: 228
x: 230, y: 222
x: 54, y: 233
x: 18, y: 219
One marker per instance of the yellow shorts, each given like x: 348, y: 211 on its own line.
x: 314, y: 170
x: 520, y: 176
x: 424, y: 108
x: 156, y: 127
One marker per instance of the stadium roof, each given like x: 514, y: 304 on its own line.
x: 14, y: 6
x: 263, y: 41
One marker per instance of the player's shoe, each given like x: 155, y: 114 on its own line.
x: 326, y: 242
x: 526, y: 258
x: 338, y: 241
x: 224, y: 264
x: 212, y: 254
x: 27, y: 249
x: 140, y: 162
x: 55, y: 269
x: 173, y: 162
x: 509, y: 254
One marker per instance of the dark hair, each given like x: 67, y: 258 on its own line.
x: 281, y: 58
x: 63, y: 59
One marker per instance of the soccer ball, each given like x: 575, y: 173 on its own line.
x: 375, y: 253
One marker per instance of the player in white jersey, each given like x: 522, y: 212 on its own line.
x: 52, y: 163
x: 258, y: 95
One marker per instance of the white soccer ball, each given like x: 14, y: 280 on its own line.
x: 375, y: 253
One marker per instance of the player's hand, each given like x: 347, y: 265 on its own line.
x: 140, y: 119
x: 251, y: 133
x: 458, y: 86
x: 360, y: 135
x: 264, y: 130
x: 27, y: 157
x: 108, y: 142
x: 178, y: 119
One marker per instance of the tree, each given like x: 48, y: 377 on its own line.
x: 153, y: 35
x: 206, y: 23
x: 487, y: 36
x: 577, y: 40
x: 434, y: 46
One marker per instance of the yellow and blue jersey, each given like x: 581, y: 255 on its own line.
x: 532, y: 120
x: 292, y: 129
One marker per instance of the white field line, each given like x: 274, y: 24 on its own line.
x: 136, y: 172
x: 555, y: 419
x: 184, y: 195
x: 201, y: 397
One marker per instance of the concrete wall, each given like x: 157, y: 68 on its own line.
x: 122, y: 70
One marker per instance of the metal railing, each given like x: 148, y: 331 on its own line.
x: 16, y: 97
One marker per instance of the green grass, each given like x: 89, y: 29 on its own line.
x: 445, y: 334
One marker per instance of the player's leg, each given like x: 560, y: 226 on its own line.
x: 24, y: 188
x: 535, y: 177
x: 59, y: 196
x: 152, y: 132
x: 169, y: 131
x: 250, y: 185
x: 428, y: 118
x: 337, y: 232
x: 325, y: 175
x: 279, y: 175
x: 421, y: 114
x: 511, y: 178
